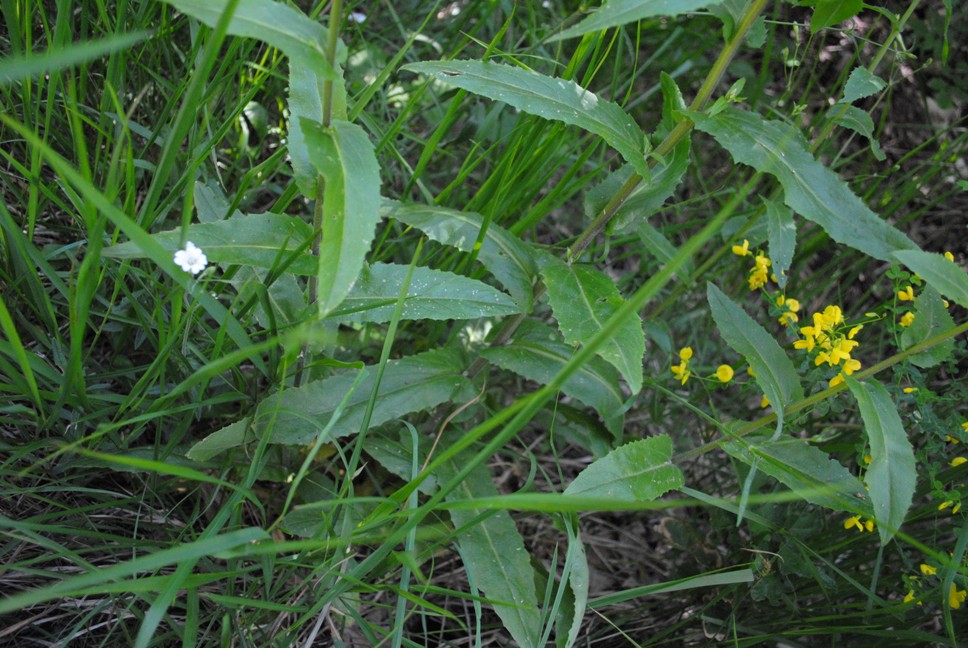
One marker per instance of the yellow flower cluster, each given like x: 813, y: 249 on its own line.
x: 681, y: 370
x: 827, y: 333
x: 760, y: 273
x: 955, y: 596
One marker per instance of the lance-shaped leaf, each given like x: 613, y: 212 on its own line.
x: 548, y: 97
x: 931, y: 318
x: 774, y: 371
x: 806, y: 470
x: 782, y: 238
x: 344, y: 156
x: 259, y: 240
x: 306, y: 102
x: 507, y: 257
x: 277, y: 24
x: 892, y: 473
x: 432, y: 294
x: 809, y: 188
x: 583, y: 299
x: 943, y: 275
x: 635, y: 472
x: 494, y: 554
x: 620, y: 12
x: 537, y: 353
x: 299, y: 414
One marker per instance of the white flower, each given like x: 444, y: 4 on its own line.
x: 191, y: 259
x: 357, y: 17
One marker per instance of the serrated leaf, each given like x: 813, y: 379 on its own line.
x: 306, y: 102
x: 862, y: 83
x: 810, y: 189
x: 344, y: 156
x: 298, y: 415
x: 432, y: 294
x: 505, y: 256
x: 931, y: 318
x: 804, y: 469
x: 621, y: 12
x: 943, y: 275
x: 833, y: 12
x: 782, y: 238
x: 892, y: 474
x: 279, y: 25
x: 774, y: 370
x: 537, y: 353
x: 260, y: 240
x: 635, y: 472
x: 582, y: 300
x: 860, y: 122
x: 494, y: 554
x: 548, y: 97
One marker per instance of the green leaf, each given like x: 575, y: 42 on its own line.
x: 804, y: 469
x: 306, y: 102
x: 774, y: 370
x: 569, y: 621
x: 860, y: 122
x: 433, y: 294
x: 344, y: 156
x: 621, y: 12
x: 649, y: 197
x: 505, y: 256
x: 548, y: 97
x: 494, y: 554
x: 931, y: 318
x: 862, y: 83
x: 211, y: 205
x: 810, y: 189
x: 279, y: 25
x: 298, y: 415
x: 260, y: 240
x: 583, y: 299
x: 537, y: 353
x: 639, y: 471
x: 833, y: 12
x: 892, y: 473
x: 943, y: 275
x: 782, y: 238
x: 285, y: 299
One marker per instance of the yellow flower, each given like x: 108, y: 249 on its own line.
x: 742, y: 250
x: 724, y: 373
x: 945, y: 504
x: 836, y: 380
x: 928, y: 570
x: 792, y: 307
x: 869, y: 525
x: 910, y: 390
x: 906, y: 319
x: 949, y: 256
x: 752, y: 374
x: 764, y: 402
x: 867, y: 460
x: 956, y: 597
x: 906, y: 294
x: 957, y: 461
x: 910, y: 597
x: 681, y: 372
x: 759, y: 274
x: 951, y: 439
x: 685, y: 354
x: 854, y: 522
x: 965, y: 426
